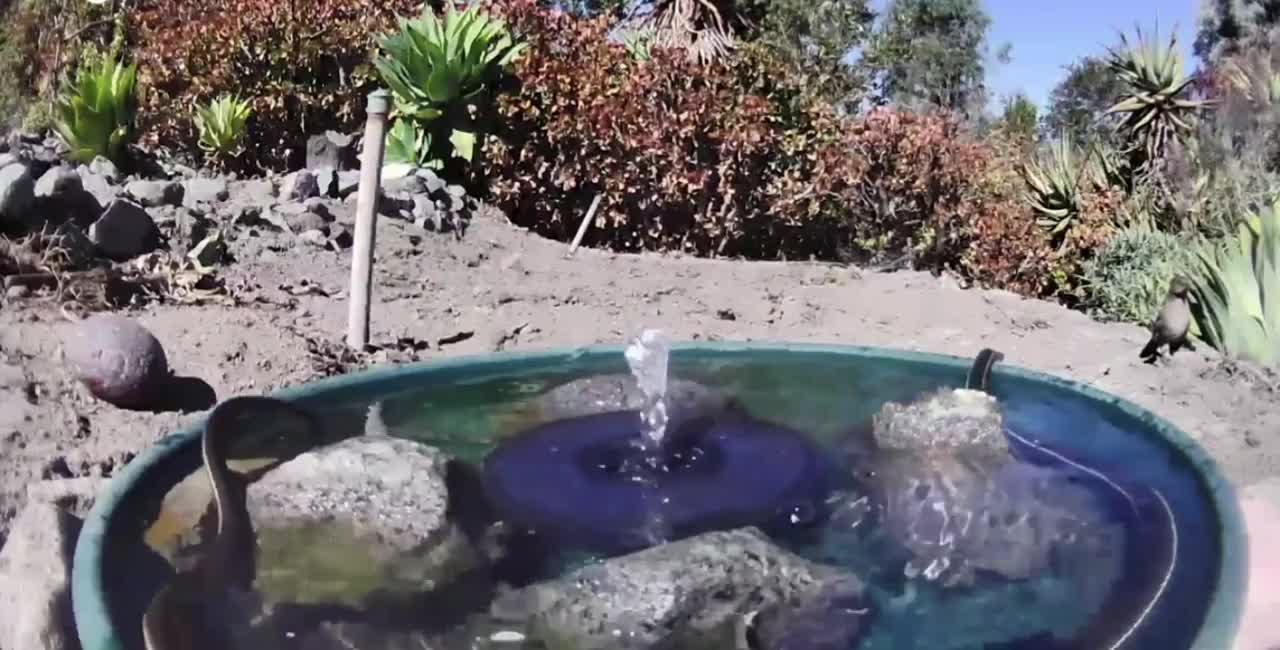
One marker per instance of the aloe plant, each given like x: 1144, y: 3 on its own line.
x: 95, y: 112
x: 1237, y: 291
x: 1156, y: 109
x: 222, y: 125
x: 1054, y: 182
x: 408, y: 144
x: 439, y: 70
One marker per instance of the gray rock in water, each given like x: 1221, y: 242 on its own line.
x: 957, y: 511
x: 299, y: 186
x: 833, y: 618
x: 155, y: 193
x: 105, y: 168
x: 331, y: 149
x: 118, y: 359
x: 617, y: 392
x: 201, y: 190
x: 951, y: 419
x: 348, y: 183
x: 124, y: 231
x: 390, y: 490
x: 690, y: 593
x: 17, y: 191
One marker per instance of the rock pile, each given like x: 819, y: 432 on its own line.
x: 117, y: 217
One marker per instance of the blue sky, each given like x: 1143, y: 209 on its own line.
x: 1047, y: 35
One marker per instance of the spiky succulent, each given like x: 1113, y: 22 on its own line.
x: 222, y: 125
x: 1237, y: 291
x: 1054, y: 182
x: 438, y: 67
x: 95, y: 112
x: 1155, y: 107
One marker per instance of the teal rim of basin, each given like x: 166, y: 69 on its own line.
x: 96, y: 630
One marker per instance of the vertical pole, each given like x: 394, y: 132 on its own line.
x: 366, y: 219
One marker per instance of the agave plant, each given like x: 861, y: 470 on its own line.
x: 438, y: 70
x: 222, y: 125
x: 408, y: 144
x: 1237, y: 291
x: 1156, y: 108
x: 1053, y: 184
x: 95, y: 112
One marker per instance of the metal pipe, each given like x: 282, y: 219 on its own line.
x: 366, y: 218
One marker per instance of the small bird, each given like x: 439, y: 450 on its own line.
x: 1171, y: 325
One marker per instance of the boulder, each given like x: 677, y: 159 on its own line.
x: 35, y: 567
x: 99, y: 186
x: 124, y: 231
x: 17, y: 191
x: 377, y: 501
x: 299, y: 186
x: 203, y: 190
x: 155, y: 193
x: 105, y: 168
x: 60, y: 196
x: 348, y: 183
x: 119, y: 360
x: 691, y: 593
x: 331, y: 149
x: 252, y: 192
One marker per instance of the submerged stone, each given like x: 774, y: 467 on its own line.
x: 689, y: 593
x: 362, y: 515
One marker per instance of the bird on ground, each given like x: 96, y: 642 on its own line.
x: 1173, y: 322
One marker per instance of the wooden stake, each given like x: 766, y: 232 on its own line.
x: 379, y: 105
x: 582, y: 227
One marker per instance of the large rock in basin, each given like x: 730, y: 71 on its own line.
x: 118, y: 359
x: 691, y: 593
x: 369, y: 513
x: 124, y: 231
x: 948, y: 419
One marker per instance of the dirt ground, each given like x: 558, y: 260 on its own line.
x: 511, y: 290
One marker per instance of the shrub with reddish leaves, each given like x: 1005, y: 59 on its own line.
x: 304, y: 65
x: 685, y: 157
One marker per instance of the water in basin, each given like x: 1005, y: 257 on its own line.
x: 1106, y: 586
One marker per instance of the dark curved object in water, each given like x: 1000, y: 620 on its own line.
x: 586, y: 482
x: 174, y: 620
x: 980, y: 372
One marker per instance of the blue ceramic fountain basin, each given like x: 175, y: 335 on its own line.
x: 820, y: 389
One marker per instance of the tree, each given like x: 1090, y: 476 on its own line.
x: 1229, y: 26
x: 930, y: 52
x: 1019, y: 118
x: 1078, y: 104
x: 814, y: 40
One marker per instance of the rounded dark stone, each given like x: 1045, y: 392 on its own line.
x: 118, y: 359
